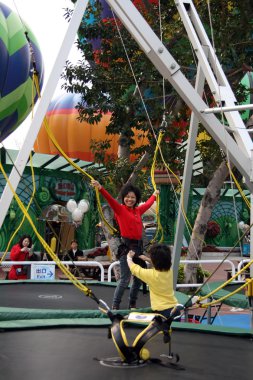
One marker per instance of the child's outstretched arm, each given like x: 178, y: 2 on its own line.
x: 130, y: 256
x: 145, y: 258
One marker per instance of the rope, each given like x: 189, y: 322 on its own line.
x: 152, y: 171
x: 146, y: 111
x: 111, y: 229
x: 222, y: 113
x: 240, y: 189
x: 83, y: 288
x: 230, y: 172
x: 224, y: 284
x: 33, y: 181
x: 224, y: 297
x: 23, y: 218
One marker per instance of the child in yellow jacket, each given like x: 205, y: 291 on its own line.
x: 159, y: 278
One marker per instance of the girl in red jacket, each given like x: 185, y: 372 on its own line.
x: 128, y: 216
x: 20, y: 252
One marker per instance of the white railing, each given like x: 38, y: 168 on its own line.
x: 233, y: 269
x: 76, y: 263
x: 109, y: 274
x: 241, y: 276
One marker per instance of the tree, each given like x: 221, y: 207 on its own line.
x: 106, y: 81
x: 107, y: 84
x: 234, y: 45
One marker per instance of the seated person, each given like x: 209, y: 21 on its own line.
x: 22, y: 251
x: 73, y: 253
x: 159, y: 278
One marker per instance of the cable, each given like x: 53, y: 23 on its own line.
x: 72, y: 163
x: 70, y: 276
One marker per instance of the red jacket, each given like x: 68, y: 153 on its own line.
x: 17, y: 255
x: 129, y: 220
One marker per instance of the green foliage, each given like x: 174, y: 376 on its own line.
x: 201, y: 274
x: 107, y: 84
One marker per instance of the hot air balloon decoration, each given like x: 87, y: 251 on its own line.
x: 19, y: 56
x: 73, y: 136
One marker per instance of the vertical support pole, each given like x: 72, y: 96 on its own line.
x: 209, y: 313
x: 250, y: 286
x: 200, y: 80
x: 251, y: 218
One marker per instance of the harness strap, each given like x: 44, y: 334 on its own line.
x: 132, y: 353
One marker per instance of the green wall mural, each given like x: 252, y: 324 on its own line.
x: 55, y: 187
x: 52, y: 188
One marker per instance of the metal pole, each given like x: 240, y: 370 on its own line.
x: 187, y: 176
x: 48, y: 93
x: 227, y: 109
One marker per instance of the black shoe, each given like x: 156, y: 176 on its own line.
x: 132, y: 306
x: 114, y: 307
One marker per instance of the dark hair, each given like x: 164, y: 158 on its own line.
x: 160, y: 255
x: 73, y: 241
x: 130, y: 188
x: 23, y: 238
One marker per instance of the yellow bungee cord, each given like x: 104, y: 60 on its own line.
x: 239, y: 187
x: 202, y: 298
x: 83, y: 288
x: 23, y: 218
x: 36, y: 84
x: 152, y: 173
x: 158, y: 149
x: 111, y: 229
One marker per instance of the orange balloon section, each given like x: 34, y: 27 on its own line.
x: 74, y: 136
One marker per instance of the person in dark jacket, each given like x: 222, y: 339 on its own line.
x: 74, y: 252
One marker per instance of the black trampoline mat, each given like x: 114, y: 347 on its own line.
x: 64, y: 354
x: 60, y: 296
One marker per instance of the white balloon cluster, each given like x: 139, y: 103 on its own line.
x: 77, y: 210
x: 243, y: 226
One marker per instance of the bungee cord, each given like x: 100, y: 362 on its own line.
x: 159, y: 228
x: 90, y: 177
x: 32, y: 198
x: 158, y: 142
x: 80, y: 285
x: 72, y: 163
x: 23, y: 218
x: 231, y: 174
x: 54, y: 257
x: 77, y: 167
x: 206, y: 282
x: 168, y: 170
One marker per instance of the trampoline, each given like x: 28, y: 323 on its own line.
x: 53, y: 331
x: 59, y: 295
x: 70, y: 353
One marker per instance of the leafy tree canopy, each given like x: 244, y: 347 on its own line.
x: 107, y: 77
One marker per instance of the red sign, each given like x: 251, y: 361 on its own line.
x: 65, y: 189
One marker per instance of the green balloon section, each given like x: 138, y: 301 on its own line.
x: 18, y: 58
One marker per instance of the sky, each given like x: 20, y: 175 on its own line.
x: 46, y: 19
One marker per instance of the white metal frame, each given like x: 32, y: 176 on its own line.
x: 239, y: 146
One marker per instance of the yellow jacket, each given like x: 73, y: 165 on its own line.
x: 160, y: 286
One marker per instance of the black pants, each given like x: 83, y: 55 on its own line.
x: 137, y: 247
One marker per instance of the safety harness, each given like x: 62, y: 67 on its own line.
x: 137, y: 354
